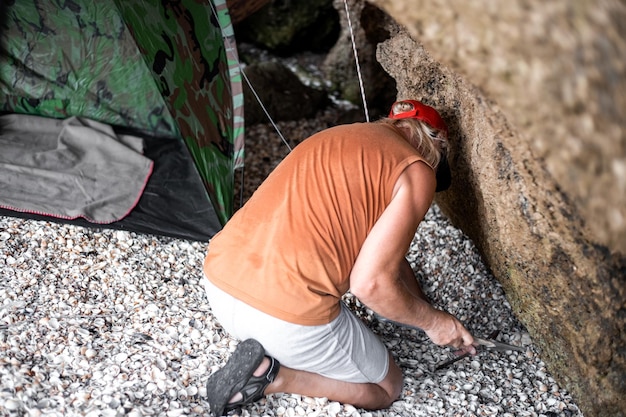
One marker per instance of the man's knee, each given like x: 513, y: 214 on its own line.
x: 393, y: 382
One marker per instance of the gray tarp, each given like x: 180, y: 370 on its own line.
x: 70, y: 168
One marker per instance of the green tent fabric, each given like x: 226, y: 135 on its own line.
x: 166, y: 71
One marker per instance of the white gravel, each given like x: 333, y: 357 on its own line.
x: 110, y: 323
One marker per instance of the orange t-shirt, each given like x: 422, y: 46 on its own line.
x: 289, y: 251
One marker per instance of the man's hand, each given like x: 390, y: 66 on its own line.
x: 446, y: 330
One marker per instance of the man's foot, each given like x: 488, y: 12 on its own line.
x: 258, y: 373
x: 243, y: 379
x: 254, y: 389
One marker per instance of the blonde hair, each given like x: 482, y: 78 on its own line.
x: 431, y: 143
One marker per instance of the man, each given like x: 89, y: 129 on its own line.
x: 337, y: 214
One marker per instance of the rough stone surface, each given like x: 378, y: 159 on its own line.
x: 569, y: 292
x: 558, y: 71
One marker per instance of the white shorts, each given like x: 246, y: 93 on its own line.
x: 345, y: 349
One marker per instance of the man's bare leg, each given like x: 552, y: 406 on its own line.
x: 368, y: 396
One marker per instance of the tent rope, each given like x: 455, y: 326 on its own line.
x: 258, y: 99
x: 356, y: 60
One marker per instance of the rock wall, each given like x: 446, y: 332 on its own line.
x: 558, y: 71
x: 569, y: 292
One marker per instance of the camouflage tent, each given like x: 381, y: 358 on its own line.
x: 164, y: 70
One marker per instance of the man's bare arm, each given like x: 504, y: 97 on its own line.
x: 376, y: 276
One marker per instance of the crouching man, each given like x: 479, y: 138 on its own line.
x: 337, y: 214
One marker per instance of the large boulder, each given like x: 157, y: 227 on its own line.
x: 557, y: 69
x: 569, y: 292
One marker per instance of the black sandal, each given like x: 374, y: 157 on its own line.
x: 255, y: 387
x: 238, y: 376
